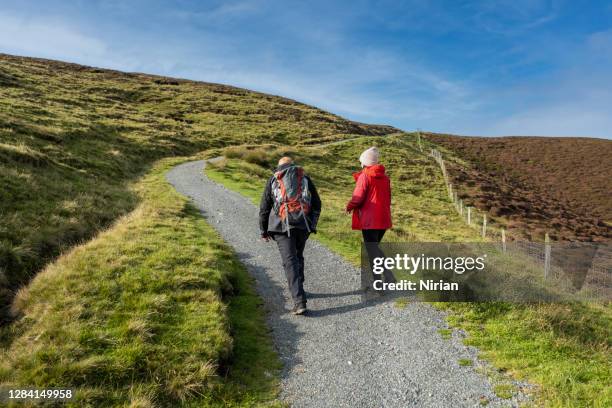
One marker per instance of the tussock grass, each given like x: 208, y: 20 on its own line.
x: 156, y: 311
x: 465, y: 362
x: 258, y: 156
x: 504, y: 391
x: 401, y: 302
x: 22, y: 154
x: 446, y: 334
x: 564, y: 348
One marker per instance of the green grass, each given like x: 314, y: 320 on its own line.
x: 564, y: 348
x: 156, y: 311
x: 446, y: 334
x: 73, y: 138
x: 504, y: 391
x: 465, y: 362
x: 401, y: 302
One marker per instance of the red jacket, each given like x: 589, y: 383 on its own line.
x: 371, y: 201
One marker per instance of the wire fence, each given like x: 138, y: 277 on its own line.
x: 470, y: 215
x: 550, y: 256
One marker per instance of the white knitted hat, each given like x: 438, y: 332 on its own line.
x: 369, y: 157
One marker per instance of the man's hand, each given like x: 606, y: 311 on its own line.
x: 265, y: 237
x: 347, y: 211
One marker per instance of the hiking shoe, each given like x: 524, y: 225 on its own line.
x: 299, y: 309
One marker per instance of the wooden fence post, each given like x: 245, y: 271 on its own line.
x: 484, y: 225
x: 460, y: 207
x: 503, y: 234
x: 546, y: 256
x: 419, y: 139
x: 469, y: 215
x: 443, y: 167
x: 450, y: 191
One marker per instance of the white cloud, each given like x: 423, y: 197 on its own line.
x: 564, y: 119
x: 601, y: 43
x: 512, y: 17
x: 221, y: 13
x: 47, y: 37
x: 573, y: 102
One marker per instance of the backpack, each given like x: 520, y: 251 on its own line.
x: 291, y: 195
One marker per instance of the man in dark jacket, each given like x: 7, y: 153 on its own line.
x: 290, y: 236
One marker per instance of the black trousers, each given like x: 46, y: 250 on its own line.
x: 292, y: 254
x: 372, y: 237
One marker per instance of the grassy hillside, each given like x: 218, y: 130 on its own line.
x: 73, y: 137
x: 155, y: 311
x: 534, y: 185
x: 565, y: 348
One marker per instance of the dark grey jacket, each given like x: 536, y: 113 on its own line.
x: 270, y: 222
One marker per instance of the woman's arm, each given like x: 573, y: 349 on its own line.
x: 359, y: 194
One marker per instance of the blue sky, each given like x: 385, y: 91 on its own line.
x: 500, y: 67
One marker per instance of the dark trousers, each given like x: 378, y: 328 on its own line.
x: 292, y: 254
x: 372, y: 238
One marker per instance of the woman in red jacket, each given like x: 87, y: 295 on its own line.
x: 371, y: 204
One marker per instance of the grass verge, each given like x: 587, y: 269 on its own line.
x: 564, y: 348
x: 156, y: 311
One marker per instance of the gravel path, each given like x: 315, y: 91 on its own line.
x: 346, y: 352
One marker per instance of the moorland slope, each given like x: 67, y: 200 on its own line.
x: 534, y: 185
